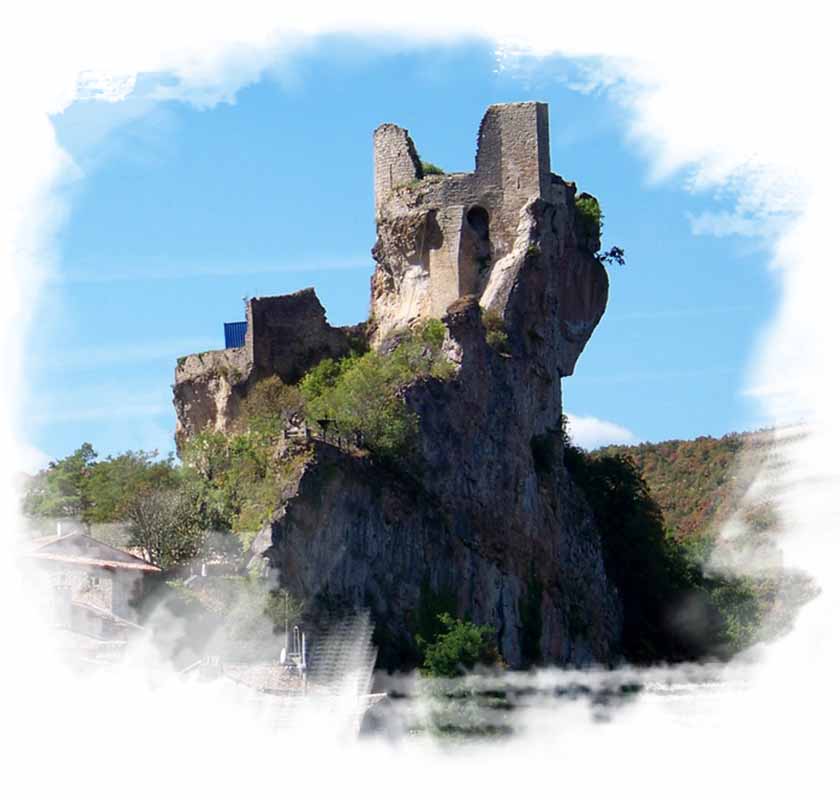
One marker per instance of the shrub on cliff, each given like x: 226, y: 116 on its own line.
x: 269, y: 406
x: 235, y: 479
x: 431, y: 169
x: 495, y: 331
x: 359, y: 395
x: 459, y: 648
x: 589, y: 216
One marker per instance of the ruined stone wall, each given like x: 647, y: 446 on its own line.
x: 395, y: 161
x: 445, y: 283
x: 432, y: 271
x: 513, y: 155
x: 289, y: 334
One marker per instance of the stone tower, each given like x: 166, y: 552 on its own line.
x: 444, y: 234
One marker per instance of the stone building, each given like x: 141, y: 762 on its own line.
x: 444, y: 237
x: 93, y: 586
x: 468, y: 220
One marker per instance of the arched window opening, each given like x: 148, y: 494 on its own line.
x: 479, y: 223
x: 479, y: 220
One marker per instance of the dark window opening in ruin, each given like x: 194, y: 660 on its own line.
x: 479, y: 221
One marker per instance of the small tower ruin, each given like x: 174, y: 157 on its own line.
x: 441, y: 235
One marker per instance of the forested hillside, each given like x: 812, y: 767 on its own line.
x: 697, y: 483
x: 705, y: 486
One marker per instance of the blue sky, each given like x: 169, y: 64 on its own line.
x: 178, y: 213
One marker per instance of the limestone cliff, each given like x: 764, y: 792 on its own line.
x: 491, y: 519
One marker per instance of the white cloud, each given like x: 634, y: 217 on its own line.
x: 591, y: 432
x: 724, y: 224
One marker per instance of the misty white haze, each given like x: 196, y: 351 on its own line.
x: 742, y: 96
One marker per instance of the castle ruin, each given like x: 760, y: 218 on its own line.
x: 443, y: 237
x: 440, y: 238
x: 488, y: 512
x: 471, y: 218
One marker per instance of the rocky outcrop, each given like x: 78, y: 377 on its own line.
x: 492, y: 514
x: 487, y: 518
x: 204, y: 391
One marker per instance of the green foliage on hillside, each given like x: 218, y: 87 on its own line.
x: 672, y: 609
x: 359, y: 395
x: 458, y: 648
x: 95, y: 491
x: 693, y: 482
x: 652, y: 576
x: 696, y: 486
x: 236, y: 479
x: 269, y: 407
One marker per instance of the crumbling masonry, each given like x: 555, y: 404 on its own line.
x: 468, y: 220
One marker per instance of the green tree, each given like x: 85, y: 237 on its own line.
x: 459, y: 648
x: 61, y: 489
x: 165, y: 526
x: 112, y: 484
x: 360, y: 395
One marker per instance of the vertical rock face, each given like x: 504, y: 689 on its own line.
x: 491, y: 522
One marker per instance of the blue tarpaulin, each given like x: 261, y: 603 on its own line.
x: 235, y: 334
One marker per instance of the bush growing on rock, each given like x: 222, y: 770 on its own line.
x: 359, y: 395
x: 589, y: 216
x: 431, y: 169
x: 236, y: 479
x: 495, y: 331
x: 459, y: 648
x: 269, y: 406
